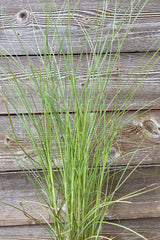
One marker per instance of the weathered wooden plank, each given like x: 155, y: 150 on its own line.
x: 30, y: 232
x: 141, y: 129
x: 29, y: 22
x: 119, y: 79
x: 149, y: 228
x: 143, y: 206
x: 15, y: 187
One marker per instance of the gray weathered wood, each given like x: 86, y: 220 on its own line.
x: 29, y: 232
x: 29, y: 22
x: 141, y: 213
x: 15, y: 187
x: 141, y: 127
x: 147, y: 95
x: 149, y: 228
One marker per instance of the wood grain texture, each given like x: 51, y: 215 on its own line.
x: 143, y: 206
x: 15, y: 187
x: 141, y: 213
x: 149, y: 228
x: 141, y: 130
x: 123, y: 77
x: 29, y: 232
x: 29, y: 22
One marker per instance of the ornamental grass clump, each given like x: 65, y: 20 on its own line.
x: 75, y: 122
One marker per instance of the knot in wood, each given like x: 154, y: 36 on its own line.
x: 23, y: 16
x: 114, y: 153
x: 151, y: 127
x: 7, y: 140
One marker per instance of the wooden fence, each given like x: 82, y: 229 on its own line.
x: 143, y: 215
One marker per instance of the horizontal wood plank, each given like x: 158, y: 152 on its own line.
x: 141, y: 128
x: 149, y: 228
x: 142, y: 206
x: 15, y: 187
x: 124, y: 76
x: 29, y: 22
x: 30, y: 232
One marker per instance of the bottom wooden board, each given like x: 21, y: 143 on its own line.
x: 15, y: 187
x: 28, y: 232
x: 149, y: 228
